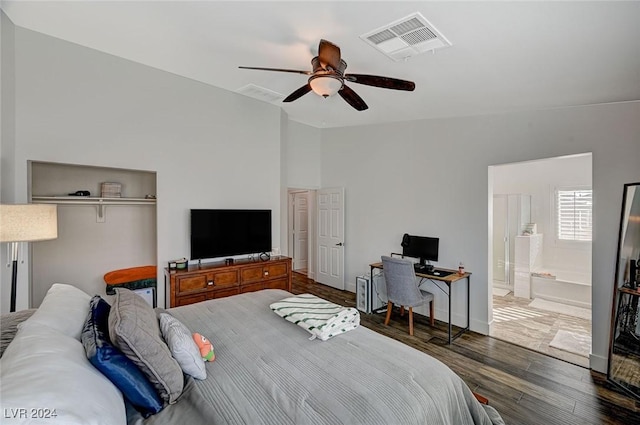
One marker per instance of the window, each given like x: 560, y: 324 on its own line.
x: 573, y: 214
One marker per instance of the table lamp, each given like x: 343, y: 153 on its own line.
x: 25, y: 223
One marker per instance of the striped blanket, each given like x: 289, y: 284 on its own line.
x: 320, y: 317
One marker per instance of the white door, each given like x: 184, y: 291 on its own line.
x: 300, y: 230
x: 331, y: 237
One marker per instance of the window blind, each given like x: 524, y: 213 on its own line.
x: 574, y: 218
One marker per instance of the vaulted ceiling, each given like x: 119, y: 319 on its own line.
x: 505, y: 56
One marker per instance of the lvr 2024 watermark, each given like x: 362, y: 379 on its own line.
x: 29, y: 413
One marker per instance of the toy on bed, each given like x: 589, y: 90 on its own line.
x: 205, y: 347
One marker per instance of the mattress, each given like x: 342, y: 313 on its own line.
x: 267, y: 371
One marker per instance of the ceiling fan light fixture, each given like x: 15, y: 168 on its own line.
x: 325, y: 85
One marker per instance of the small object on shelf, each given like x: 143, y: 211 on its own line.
x: 80, y: 193
x: 461, y: 269
x: 111, y: 190
x: 530, y: 229
x: 149, y: 196
x: 179, y: 264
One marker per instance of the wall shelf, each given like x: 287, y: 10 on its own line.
x: 101, y: 203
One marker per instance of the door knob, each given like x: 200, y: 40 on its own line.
x: 339, y: 244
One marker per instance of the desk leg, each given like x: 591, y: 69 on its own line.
x: 463, y: 330
x: 370, y: 292
x: 449, y: 285
x: 468, y: 301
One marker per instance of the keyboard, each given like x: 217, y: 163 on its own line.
x: 419, y: 268
x: 438, y: 273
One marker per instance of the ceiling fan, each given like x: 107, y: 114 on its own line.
x: 328, y: 78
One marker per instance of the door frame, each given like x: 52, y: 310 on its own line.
x: 506, y: 269
x: 311, y: 224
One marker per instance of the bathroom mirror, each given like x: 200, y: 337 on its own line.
x: 624, y: 344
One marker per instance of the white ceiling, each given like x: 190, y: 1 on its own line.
x: 506, y: 56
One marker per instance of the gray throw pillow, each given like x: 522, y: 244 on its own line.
x: 133, y: 328
x: 183, y: 348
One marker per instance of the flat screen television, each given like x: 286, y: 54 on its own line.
x: 223, y: 233
x: 422, y: 247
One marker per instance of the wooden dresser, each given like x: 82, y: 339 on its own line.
x: 217, y: 280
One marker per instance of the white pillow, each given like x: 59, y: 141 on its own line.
x: 46, y: 374
x: 182, y: 346
x: 64, y: 308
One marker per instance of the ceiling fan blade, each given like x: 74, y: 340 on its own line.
x: 352, y: 98
x: 298, y: 93
x: 383, y: 82
x: 329, y: 54
x: 295, y: 71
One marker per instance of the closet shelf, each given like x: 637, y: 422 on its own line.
x: 91, y: 200
x: 101, y: 203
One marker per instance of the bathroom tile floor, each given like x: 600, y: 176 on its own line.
x: 515, y: 322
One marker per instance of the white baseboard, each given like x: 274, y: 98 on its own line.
x: 480, y: 327
x: 350, y: 286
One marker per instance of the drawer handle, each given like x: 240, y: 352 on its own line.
x: 210, y: 283
x: 266, y: 273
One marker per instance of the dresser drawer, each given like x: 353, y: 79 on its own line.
x: 190, y: 299
x: 224, y: 278
x: 251, y: 274
x: 262, y: 272
x: 221, y: 293
x: 186, y: 284
x: 277, y: 284
x: 252, y: 287
x: 275, y: 270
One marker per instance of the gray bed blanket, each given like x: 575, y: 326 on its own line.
x: 9, y: 326
x: 267, y: 371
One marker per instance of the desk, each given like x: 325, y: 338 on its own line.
x: 448, y: 280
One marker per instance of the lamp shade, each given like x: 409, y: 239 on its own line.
x: 325, y: 85
x: 28, y: 222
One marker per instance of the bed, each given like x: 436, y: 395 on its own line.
x: 267, y: 371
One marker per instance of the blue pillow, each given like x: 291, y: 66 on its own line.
x: 113, y: 364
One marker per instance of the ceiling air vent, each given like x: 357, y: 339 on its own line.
x: 406, y: 37
x: 260, y: 93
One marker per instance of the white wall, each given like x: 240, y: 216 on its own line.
x: 540, y: 179
x: 431, y: 178
x: 7, y: 144
x: 303, y: 156
x: 76, y: 105
x: 302, y: 171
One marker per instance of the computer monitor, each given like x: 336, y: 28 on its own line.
x: 422, y: 247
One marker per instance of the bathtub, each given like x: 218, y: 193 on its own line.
x: 573, y: 288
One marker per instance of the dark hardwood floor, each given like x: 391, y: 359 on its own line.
x: 526, y: 387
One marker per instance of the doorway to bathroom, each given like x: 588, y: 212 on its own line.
x: 540, y: 261
x: 300, y: 230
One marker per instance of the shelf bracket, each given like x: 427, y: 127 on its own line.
x: 100, y: 216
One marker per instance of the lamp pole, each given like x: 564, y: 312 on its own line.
x: 25, y: 223
x: 14, y: 275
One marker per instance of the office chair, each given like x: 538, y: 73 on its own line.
x: 402, y: 289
